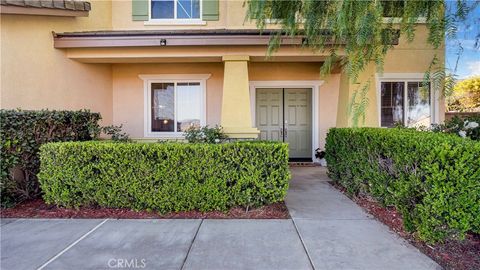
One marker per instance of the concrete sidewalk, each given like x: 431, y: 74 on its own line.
x: 327, y: 231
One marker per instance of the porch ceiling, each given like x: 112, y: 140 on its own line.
x: 193, y: 54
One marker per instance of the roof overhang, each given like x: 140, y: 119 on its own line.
x: 182, y: 46
x: 113, y: 39
x: 46, y: 7
x: 42, y: 11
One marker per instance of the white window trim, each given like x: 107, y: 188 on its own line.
x: 405, y: 78
x: 314, y: 85
x: 174, y: 21
x: 148, y: 79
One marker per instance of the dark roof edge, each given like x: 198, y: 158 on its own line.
x: 74, y: 5
x: 209, y: 32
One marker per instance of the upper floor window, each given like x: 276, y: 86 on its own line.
x: 393, y: 9
x: 175, y: 9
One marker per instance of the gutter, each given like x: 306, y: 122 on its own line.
x: 105, y: 39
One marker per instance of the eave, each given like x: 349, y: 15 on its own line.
x: 113, y: 39
x: 182, y: 46
x: 42, y: 11
x: 63, y: 8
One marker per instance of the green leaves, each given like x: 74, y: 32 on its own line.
x: 432, y: 179
x: 22, y: 133
x: 206, y: 134
x: 164, y: 176
x: 359, y: 30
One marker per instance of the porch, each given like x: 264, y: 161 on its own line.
x: 218, y: 77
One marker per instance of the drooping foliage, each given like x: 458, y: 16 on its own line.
x: 364, y: 31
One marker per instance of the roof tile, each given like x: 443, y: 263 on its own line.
x: 54, y: 4
x: 47, y: 3
x: 69, y: 4
x: 33, y: 3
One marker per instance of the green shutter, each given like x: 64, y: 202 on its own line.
x: 140, y: 10
x: 210, y: 10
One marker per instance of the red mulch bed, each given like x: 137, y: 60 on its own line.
x: 39, y: 209
x: 451, y: 254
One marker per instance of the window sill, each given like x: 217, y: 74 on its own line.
x: 163, y: 135
x: 174, y: 22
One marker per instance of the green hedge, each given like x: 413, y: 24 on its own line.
x: 22, y: 133
x: 433, y: 179
x: 164, y: 176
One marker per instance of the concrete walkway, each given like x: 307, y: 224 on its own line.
x: 327, y: 231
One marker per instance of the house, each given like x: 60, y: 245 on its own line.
x: 158, y: 67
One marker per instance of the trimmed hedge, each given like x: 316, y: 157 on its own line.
x: 164, y: 176
x: 22, y: 133
x: 433, y: 179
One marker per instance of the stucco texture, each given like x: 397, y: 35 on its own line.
x: 37, y: 76
x: 128, y: 89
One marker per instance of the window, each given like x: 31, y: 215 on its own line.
x: 173, y: 105
x: 419, y: 109
x: 393, y: 9
x: 392, y: 103
x: 405, y: 102
x: 175, y: 9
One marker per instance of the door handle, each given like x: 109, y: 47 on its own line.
x: 281, y: 132
x: 286, y: 132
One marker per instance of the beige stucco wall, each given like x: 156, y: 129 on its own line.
x: 231, y: 16
x: 128, y: 89
x: 413, y: 57
x: 34, y: 75
x: 416, y: 57
x: 406, y: 57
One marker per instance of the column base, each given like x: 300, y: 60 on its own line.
x: 241, y: 132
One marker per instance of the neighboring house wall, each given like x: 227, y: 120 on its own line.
x: 34, y: 75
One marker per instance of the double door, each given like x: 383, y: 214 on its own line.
x: 285, y: 114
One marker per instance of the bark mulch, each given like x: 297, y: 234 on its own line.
x: 39, y: 209
x: 451, y: 254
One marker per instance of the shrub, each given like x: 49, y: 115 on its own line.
x: 164, y: 177
x: 468, y: 127
x: 116, y: 134
x: 22, y: 133
x: 195, y: 134
x: 432, y: 179
x: 465, y: 96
